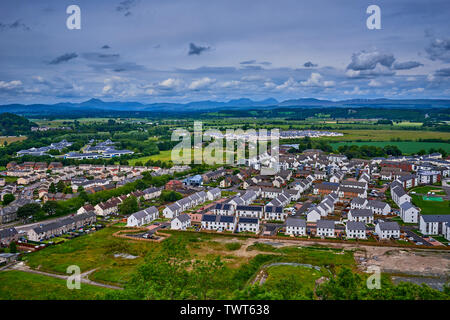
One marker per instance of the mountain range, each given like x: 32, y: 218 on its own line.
x: 95, y: 105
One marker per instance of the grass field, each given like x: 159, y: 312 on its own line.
x: 97, y: 250
x: 10, y: 140
x: 19, y: 285
x: 406, y: 147
x: 426, y: 189
x: 431, y: 207
x: 387, y: 135
x: 163, y: 156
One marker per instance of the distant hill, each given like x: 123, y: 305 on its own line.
x: 14, y: 125
x: 97, y: 105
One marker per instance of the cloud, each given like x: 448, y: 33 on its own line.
x: 374, y: 83
x: 445, y: 72
x: 248, y: 62
x: 406, y: 65
x: 64, y: 58
x: 439, y: 49
x: 315, y: 80
x: 265, y: 63
x: 309, y: 64
x: 364, y: 60
x: 201, y: 83
x: 15, y: 25
x: 197, y: 50
x: 356, y: 91
x: 125, y: 7
x: 106, y: 47
x: 101, y: 57
x: 5, y: 85
x: 170, y: 84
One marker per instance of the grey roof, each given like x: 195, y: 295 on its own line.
x: 391, y: 225
x: 184, y: 217
x: 436, y: 218
x: 296, y: 222
x: 325, y: 224
x: 407, y: 205
x: 249, y: 208
x: 6, y: 233
x: 361, y: 212
x: 248, y: 220
x: 359, y: 201
x: 143, y: 213
x: 274, y: 209
x: 376, y: 204
x: 355, y: 225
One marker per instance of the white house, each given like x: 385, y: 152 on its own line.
x: 274, y: 213
x: 224, y: 209
x: 296, y: 226
x: 387, y: 230
x: 172, y: 210
x: 249, y: 211
x: 325, y: 228
x: 142, y: 217
x: 181, y: 222
x: 378, y: 207
x: 248, y: 225
x: 213, y: 194
x: 358, y: 203
x: 361, y: 215
x: 355, y: 230
x: 313, y: 215
x: 218, y: 222
x: 433, y: 224
x: 409, y: 213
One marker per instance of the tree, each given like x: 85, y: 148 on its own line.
x: 52, y: 188
x: 8, y: 198
x: 170, y: 196
x: 12, y: 247
x: 60, y: 186
x: 31, y: 209
x: 50, y: 207
x: 128, y: 206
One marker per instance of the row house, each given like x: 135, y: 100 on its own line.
x: 398, y: 194
x: 361, y: 215
x: 248, y: 225
x: 143, y: 217
x: 218, y: 222
x: 325, y: 188
x: 428, y: 176
x: 7, y: 236
x: 387, y: 230
x: 408, y: 181
x: 355, y: 230
x: 151, y: 193
x: 435, y: 224
x: 325, y: 228
x: 350, y: 192
x: 224, y: 209
x: 249, y: 211
x: 60, y: 227
x: 273, y: 213
x: 295, y: 226
x: 213, y: 194
x: 281, y: 200
x: 181, y: 222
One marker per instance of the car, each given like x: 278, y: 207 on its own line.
x: 411, y: 238
x: 419, y: 243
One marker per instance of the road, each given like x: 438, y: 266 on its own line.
x: 417, y: 238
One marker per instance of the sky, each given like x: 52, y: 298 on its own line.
x: 191, y: 50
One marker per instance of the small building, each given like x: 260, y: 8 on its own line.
x: 361, y: 215
x: 142, y: 217
x: 218, y: 222
x: 8, y: 235
x: 248, y: 225
x: 387, y: 230
x: 355, y: 230
x: 409, y: 213
x: 249, y: 211
x: 181, y: 222
x: 296, y: 226
x: 325, y: 228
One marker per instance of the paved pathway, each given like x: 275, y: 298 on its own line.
x: 84, y: 276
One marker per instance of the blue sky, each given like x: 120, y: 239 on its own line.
x: 189, y: 50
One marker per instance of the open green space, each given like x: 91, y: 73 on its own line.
x: 407, y: 147
x: 19, y: 285
x: 431, y: 207
x: 425, y: 189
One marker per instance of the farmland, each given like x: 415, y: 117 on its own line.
x: 407, y: 147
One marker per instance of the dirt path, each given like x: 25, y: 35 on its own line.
x: 84, y: 276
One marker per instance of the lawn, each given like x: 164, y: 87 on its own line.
x: 431, y: 207
x: 10, y: 140
x: 307, y: 276
x: 19, y: 285
x: 411, y: 147
x: 426, y: 189
x: 163, y: 156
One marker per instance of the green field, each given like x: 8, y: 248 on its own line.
x: 387, y: 135
x: 431, y: 207
x: 426, y: 189
x: 19, y: 285
x: 406, y: 147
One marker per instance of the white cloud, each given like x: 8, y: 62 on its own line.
x: 201, y: 83
x: 10, y: 85
x: 374, y: 83
x: 315, y: 80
